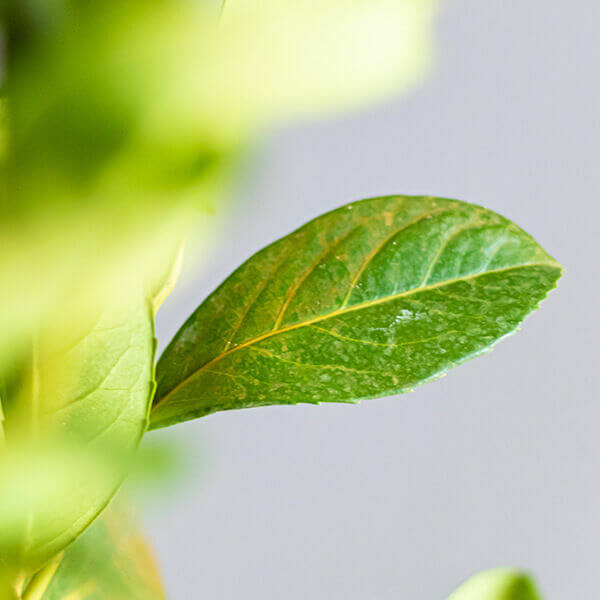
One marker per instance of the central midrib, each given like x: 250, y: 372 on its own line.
x: 342, y: 311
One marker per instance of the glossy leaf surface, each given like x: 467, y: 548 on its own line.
x: 73, y: 421
x: 498, y: 584
x: 369, y: 300
x: 110, y: 561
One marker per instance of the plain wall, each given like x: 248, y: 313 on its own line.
x: 496, y: 464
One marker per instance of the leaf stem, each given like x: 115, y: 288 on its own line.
x: 41, y: 580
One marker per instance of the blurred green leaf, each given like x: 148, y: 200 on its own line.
x: 74, y: 416
x: 159, y: 468
x: 110, y: 561
x: 498, y: 584
x: 273, y: 60
x: 369, y: 300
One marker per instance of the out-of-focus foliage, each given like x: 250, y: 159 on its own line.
x: 161, y: 467
x: 74, y: 417
x: 74, y: 414
x: 127, y: 120
x: 271, y: 60
x: 498, y: 584
x: 112, y: 560
x: 43, y: 480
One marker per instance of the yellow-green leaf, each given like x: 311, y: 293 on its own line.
x: 498, y: 584
x: 110, y: 561
x: 74, y: 417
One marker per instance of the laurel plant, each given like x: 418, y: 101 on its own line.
x: 114, y: 147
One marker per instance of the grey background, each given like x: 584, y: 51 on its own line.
x: 496, y: 464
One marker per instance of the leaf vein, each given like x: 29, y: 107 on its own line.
x: 441, y: 250
x: 319, y: 367
x: 371, y: 256
x: 342, y: 311
x: 260, y: 290
x: 96, y: 386
x: 293, y: 291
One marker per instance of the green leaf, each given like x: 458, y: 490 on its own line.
x: 73, y: 420
x: 110, y: 561
x: 371, y: 299
x: 498, y: 584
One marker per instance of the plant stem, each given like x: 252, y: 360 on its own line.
x: 41, y: 580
